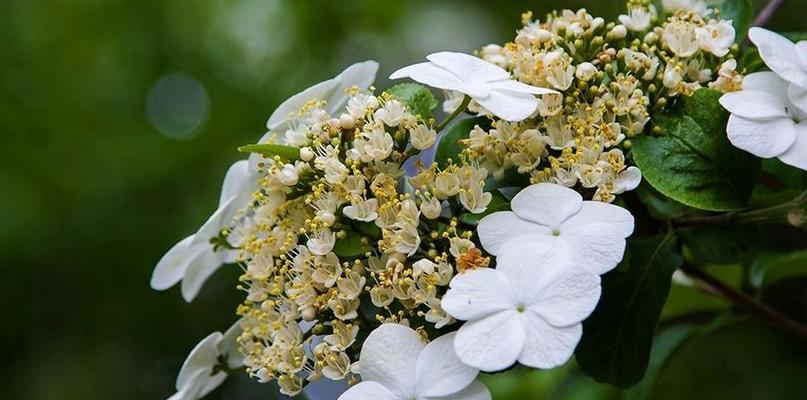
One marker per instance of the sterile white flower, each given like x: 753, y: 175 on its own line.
x: 638, y: 18
x: 593, y: 233
x: 194, y: 258
x: 716, y: 37
x: 395, y: 364
x: 196, y: 378
x: 786, y: 59
x: 765, y: 121
x: 529, y: 309
x: 486, y: 83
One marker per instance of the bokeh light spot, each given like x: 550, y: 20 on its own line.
x: 177, y: 105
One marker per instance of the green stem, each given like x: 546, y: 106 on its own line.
x: 769, y: 214
x: 714, y: 286
x: 464, y: 106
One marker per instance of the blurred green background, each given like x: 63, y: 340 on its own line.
x: 118, y: 119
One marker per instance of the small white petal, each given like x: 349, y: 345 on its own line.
x: 439, y: 372
x: 766, y: 139
x: 497, y: 228
x: 509, y: 106
x: 597, y: 253
x: 596, y: 217
x: 492, y: 343
x: 228, y: 346
x: 361, y: 74
x: 547, y: 346
x: 546, y: 204
x: 478, y: 293
x: 389, y: 356
x: 172, y: 266
x: 368, y: 391
x: 431, y: 75
x: 219, y: 220
x: 200, y: 269
x: 294, y: 103
x: 627, y: 180
x: 468, y: 67
x: 780, y: 55
x: 474, y: 391
x: 753, y: 105
x: 203, y: 357
x: 796, y: 155
x: 199, y: 386
x: 519, y: 87
x: 237, y: 182
x: 569, y: 296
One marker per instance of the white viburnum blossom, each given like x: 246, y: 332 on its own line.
x: 528, y: 309
x: 765, y: 121
x: 715, y: 37
x: 786, y: 59
x: 593, y: 233
x: 696, y: 6
x: 680, y: 36
x: 194, y: 258
x: 638, y: 18
x: 486, y: 83
x: 199, y: 374
x: 396, y: 364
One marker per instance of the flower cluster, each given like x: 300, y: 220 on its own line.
x: 609, y: 77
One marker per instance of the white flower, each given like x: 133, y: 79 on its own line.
x: 638, y: 18
x: 395, y: 364
x: 627, y: 180
x: 766, y: 121
x: 529, y: 309
x: 392, y: 113
x: 697, y: 6
x: 680, y: 36
x: 486, y: 83
x: 422, y: 137
x: 194, y: 259
x: 786, y: 59
x: 592, y: 232
x: 196, y: 378
x: 716, y: 37
x: 322, y: 242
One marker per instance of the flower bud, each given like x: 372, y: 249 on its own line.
x: 346, y: 121
x: 306, y: 154
x: 618, y: 32
x: 585, y: 71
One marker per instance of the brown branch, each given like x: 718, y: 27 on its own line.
x: 767, y: 12
x: 714, y: 286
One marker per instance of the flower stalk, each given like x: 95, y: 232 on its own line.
x: 777, y: 213
x: 464, y: 106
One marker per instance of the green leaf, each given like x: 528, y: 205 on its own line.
x: 741, y: 360
x: 692, y: 161
x: 417, y: 97
x: 615, y: 347
x: 271, y: 150
x: 728, y: 244
x: 769, y: 269
x: 664, y: 345
x: 740, y: 12
x: 497, y: 203
x: 449, y: 146
x: 351, y: 246
x: 658, y: 205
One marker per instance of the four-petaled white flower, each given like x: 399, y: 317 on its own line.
x: 395, y: 364
x: 529, y: 309
x: 200, y: 374
x: 765, y: 122
x: 592, y: 233
x: 194, y: 258
x: 716, y: 37
x: 485, y: 82
x: 768, y: 115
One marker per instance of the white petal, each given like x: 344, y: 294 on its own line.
x: 361, y: 74
x: 519, y: 87
x: 569, y: 295
x: 547, y: 346
x: 228, y: 345
x: 766, y: 139
x: 801, y: 47
x: 796, y: 155
x: 768, y: 82
x: 597, y: 253
x: 237, y: 182
x: 546, y: 204
x: 478, y: 293
x: 492, y: 343
x: 389, y: 356
x: 596, y: 217
x: 219, y: 220
x: 780, y: 55
x: 627, y: 180
x: 294, y: 103
x: 527, y: 263
x: 368, y: 391
x: 439, y: 372
x: 497, y: 228
x: 203, y: 357
x: 172, y: 266
x: 798, y: 96
x: 202, y: 266
x: 199, y: 385
x: 474, y: 391
x: 430, y: 74
x: 753, y: 104
x: 507, y: 105
x: 468, y: 67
